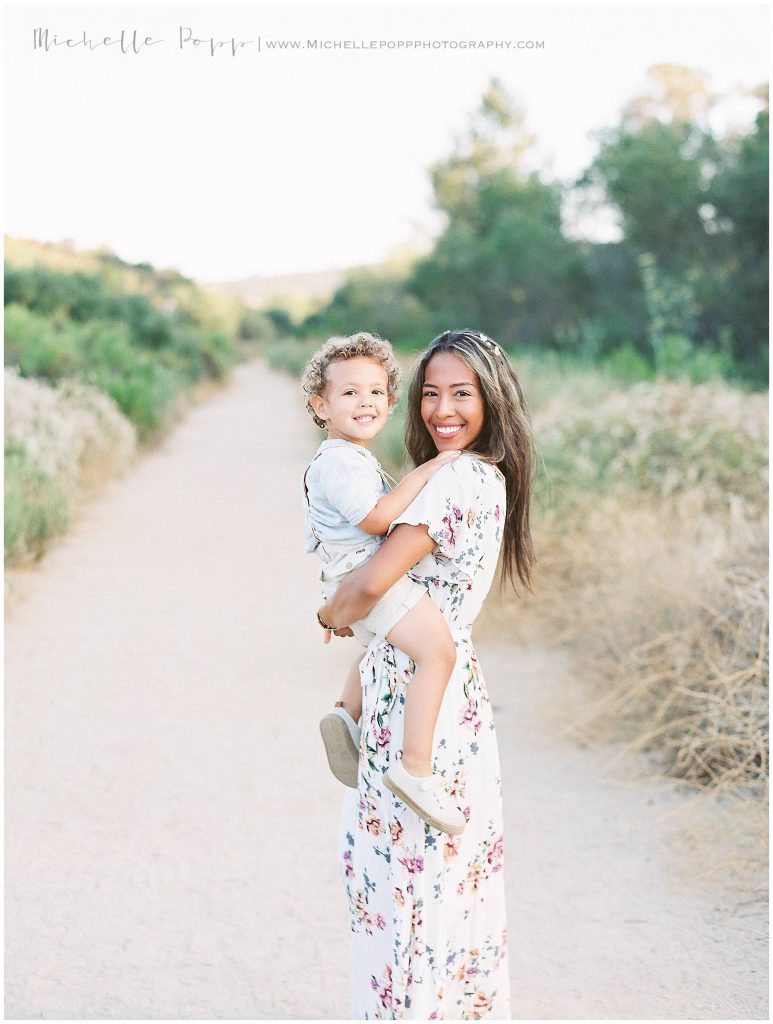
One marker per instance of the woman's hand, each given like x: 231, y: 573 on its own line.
x: 344, y: 631
x: 364, y: 586
x: 328, y: 630
x: 328, y: 633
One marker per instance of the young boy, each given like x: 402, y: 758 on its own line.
x: 351, y: 384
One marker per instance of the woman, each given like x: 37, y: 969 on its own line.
x: 427, y: 910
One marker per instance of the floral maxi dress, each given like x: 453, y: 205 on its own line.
x: 426, y: 909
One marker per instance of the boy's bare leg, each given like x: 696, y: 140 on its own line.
x: 352, y: 691
x: 423, y: 635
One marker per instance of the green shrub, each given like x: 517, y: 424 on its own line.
x: 145, y: 384
x: 627, y: 365
x: 546, y: 374
x: 291, y: 355
x: 257, y: 325
x: 661, y: 438
x: 39, y: 346
x: 218, y: 354
x: 148, y: 327
x: 35, y: 506
x: 195, y: 355
x: 672, y: 356
x: 43, y: 307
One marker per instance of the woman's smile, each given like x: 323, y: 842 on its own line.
x: 451, y: 405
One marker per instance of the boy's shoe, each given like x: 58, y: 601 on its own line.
x: 427, y: 796
x: 341, y: 736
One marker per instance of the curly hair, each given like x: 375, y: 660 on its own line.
x: 314, y: 377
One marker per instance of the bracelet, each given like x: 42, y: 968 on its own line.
x: 324, y: 624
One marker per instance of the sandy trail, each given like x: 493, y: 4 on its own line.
x: 170, y: 820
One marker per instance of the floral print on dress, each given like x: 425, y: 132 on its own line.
x: 426, y: 909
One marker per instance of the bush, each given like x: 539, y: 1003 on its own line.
x: 651, y: 537
x: 145, y: 385
x: 35, y: 506
x: 42, y: 306
x: 291, y: 355
x: 659, y: 438
x: 38, y: 346
x: 379, y: 303
x: 198, y: 355
x: 59, y: 441
x: 148, y: 326
x: 627, y: 365
x: 118, y: 348
x: 257, y: 325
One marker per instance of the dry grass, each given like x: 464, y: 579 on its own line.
x: 666, y: 618
x: 61, y: 444
x: 721, y: 837
x: 665, y: 615
x: 650, y: 528
x: 668, y: 625
x: 61, y: 256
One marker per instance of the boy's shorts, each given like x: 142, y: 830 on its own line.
x: 383, y: 616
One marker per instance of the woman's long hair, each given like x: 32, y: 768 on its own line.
x: 506, y: 438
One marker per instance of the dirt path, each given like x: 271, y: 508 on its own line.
x: 170, y: 820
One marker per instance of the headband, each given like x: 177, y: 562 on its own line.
x: 488, y: 343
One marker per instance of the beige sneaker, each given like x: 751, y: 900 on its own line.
x: 341, y: 736
x: 427, y: 797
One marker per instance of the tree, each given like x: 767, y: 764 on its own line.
x: 695, y: 203
x: 376, y: 302
x: 656, y: 167
x: 502, y: 263
x: 675, y: 94
x: 740, y: 196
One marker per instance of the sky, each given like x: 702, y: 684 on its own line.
x: 225, y: 161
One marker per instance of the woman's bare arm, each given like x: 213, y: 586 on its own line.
x: 363, y: 587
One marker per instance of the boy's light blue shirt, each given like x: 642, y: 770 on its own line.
x: 344, y: 482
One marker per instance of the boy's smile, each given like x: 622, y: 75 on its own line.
x: 355, y: 402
